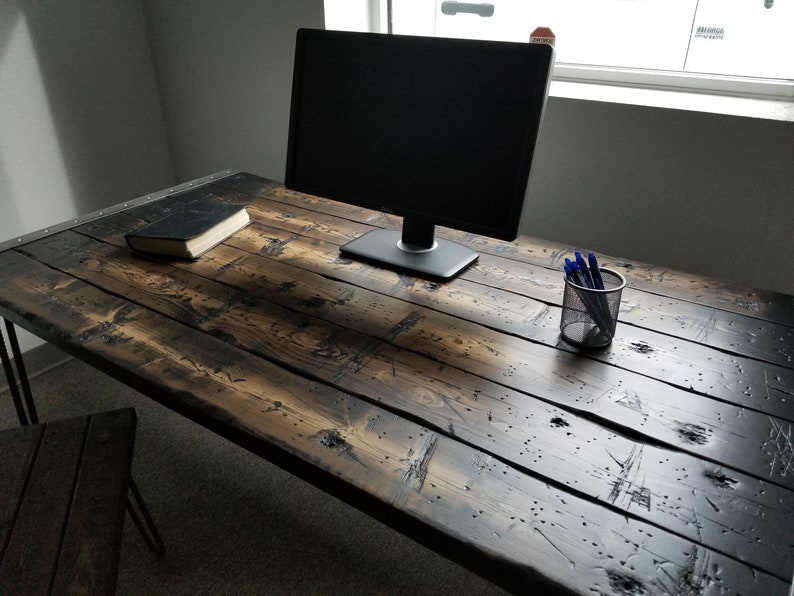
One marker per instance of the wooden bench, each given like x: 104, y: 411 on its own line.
x: 63, y: 490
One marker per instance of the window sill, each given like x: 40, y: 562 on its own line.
x: 766, y: 109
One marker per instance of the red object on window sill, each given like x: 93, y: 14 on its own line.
x: 542, y: 35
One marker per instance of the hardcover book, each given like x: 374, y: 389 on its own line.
x: 190, y: 232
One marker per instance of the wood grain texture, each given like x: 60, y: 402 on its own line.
x: 453, y: 411
x: 90, y: 549
x: 755, y: 302
x: 636, y: 474
x: 62, y: 500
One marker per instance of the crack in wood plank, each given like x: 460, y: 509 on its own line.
x: 781, y: 450
x: 417, y: 469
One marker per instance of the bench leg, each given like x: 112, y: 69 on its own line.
x: 29, y: 417
x: 143, y: 520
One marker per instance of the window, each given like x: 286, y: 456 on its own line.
x: 739, y: 47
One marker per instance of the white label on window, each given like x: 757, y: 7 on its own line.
x: 710, y: 32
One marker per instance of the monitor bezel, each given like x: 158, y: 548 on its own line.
x: 542, y: 58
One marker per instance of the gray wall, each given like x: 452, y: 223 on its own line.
x: 224, y: 71
x: 701, y: 192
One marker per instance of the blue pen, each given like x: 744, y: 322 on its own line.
x: 577, y: 273
x: 583, y: 268
x: 595, y: 272
x: 576, y: 279
x: 598, y: 281
x: 569, y: 273
x: 569, y: 270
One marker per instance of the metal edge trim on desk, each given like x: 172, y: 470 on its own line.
x: 83, y: 219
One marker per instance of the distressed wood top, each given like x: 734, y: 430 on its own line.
x: 453, y: 411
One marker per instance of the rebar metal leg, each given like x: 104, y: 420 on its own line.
x: 143, y: 520
x: 25, y: 417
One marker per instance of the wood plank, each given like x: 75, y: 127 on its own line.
x: 33, y: 549
x: 179, y: 301
x: 623, y: 400
x: 740, y: 334
x: 689, y: 321
x: 758, y: 303
x: 663, y: 281
x: 343, y: 441
x: 626, y: 474
x: 679, y: 431
x: 89, y: 558
x: 640, y: 353
x: 18, y: 448
x: 765, y: 387
x: 755, y: 384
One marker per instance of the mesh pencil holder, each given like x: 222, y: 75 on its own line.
x: 589, y: 316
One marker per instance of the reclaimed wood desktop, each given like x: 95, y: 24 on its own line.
x: 453, y: 411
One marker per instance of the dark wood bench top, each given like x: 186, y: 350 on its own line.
x: 453, y: 411
x: 63, y: 488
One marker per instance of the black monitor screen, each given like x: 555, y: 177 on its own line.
x: 438, y: 131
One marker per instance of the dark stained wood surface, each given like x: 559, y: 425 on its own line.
x: 62, y: 493
x: 453, y: 411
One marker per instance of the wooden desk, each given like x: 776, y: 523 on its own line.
x: 453, y: 412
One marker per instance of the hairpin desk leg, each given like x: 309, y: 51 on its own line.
x: 143, y: 520
x: 29, y: 417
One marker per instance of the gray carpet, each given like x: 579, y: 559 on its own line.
x: 232, y: 522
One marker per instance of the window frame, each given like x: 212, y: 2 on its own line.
x: 746, y: 87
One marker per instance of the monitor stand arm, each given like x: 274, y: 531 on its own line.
x: 418, y: 235
x: 414, y: 249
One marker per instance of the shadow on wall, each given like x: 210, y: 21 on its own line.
x: 11, y: 218
x: 100, y: 98
x: 8, y: 18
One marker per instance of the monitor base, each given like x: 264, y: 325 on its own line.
x: 444, y: 261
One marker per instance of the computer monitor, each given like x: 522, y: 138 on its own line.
x: 438, y: 131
